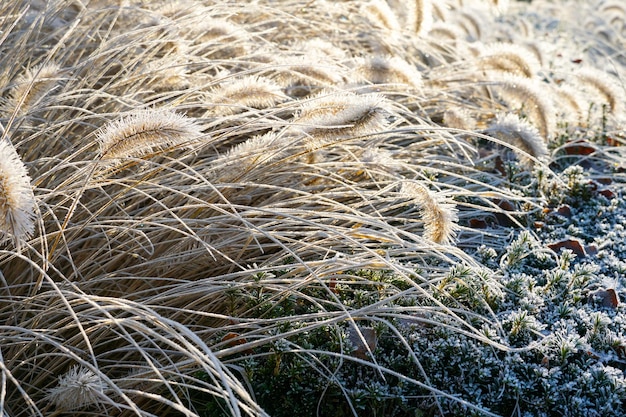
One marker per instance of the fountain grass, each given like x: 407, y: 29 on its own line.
x: 330, y: 208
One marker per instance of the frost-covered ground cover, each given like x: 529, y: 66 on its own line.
x: 333, y: 208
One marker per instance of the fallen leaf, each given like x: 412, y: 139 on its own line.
x: 357, y: 336
x: 505, y: 205
x: 477, y: 224
x: 613, y: 142
x: 580, y: 147
x: 604, y: 180
x: 591, y: 249
x: 607, y: 298
x: 607, y: 193
x: 235, y: 339
x: 564, y: 210
x: 574, y: 245
x: 332, y: 285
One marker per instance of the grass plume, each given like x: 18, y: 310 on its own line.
x: 145, y: 131
x: 17, y: 202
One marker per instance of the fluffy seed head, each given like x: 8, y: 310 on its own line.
x: 342, y: 115
x: 378, y: 159
x: 458, y: 118
x: 524, y: 137
x: 531, y: 96
x: 255, y: 152
x: 388, y: 70
x: 572, y: 103
x: 510, y: 58
x: 165, y: 74
x: 380, y: 14
x: 312, y: 69
x: 246, y: 92
x: 17, y: 201
x: 32, y: 86
x: 78, y: 388
x: 438, y: 213
x: 602, y: 82
x: 145, y: 131
x: 422, y: 12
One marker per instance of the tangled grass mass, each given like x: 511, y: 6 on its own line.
x: 312, y: 208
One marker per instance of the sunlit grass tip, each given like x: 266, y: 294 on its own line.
x: 380, y: 14
x: 32, y: 86
x: 438, y: 212
x: 531, y: 95
x: 388, y: 70
x: 17, y: 201
x: 256, y: 152
x: 510, y: 58
x: 145, y: 131
x: 605, y: 84
x: 527, y: 142
x: 330, y: 116
x: 246, y: 92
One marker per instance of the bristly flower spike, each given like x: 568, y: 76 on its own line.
x: 341, y: 115
x: 146, y: 131
x: 17, y: 201
x: 246, y: 92
x: 33, y: 85
x: 438, y: 213
x: 526, y: 140
x: 389, y: 70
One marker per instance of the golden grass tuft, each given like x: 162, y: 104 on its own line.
x: 342, y: 115
x: 389, y: 71
x: 379, y: 12
x: 31, y: 87
x: 611, y: 91
x: 524, y: 138
x: 509, y: 58
x: 529, y: 97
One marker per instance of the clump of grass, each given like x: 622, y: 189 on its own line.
x: 202, y: 203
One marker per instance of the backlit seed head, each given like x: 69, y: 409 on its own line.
x: 244, y: 93
x: 144, y: 131
x: 525, y: 138
x: 438, y: 213
x: 17, y: 201
x: 341, y: 115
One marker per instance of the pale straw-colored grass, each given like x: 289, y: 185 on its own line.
x: 163, y: 157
